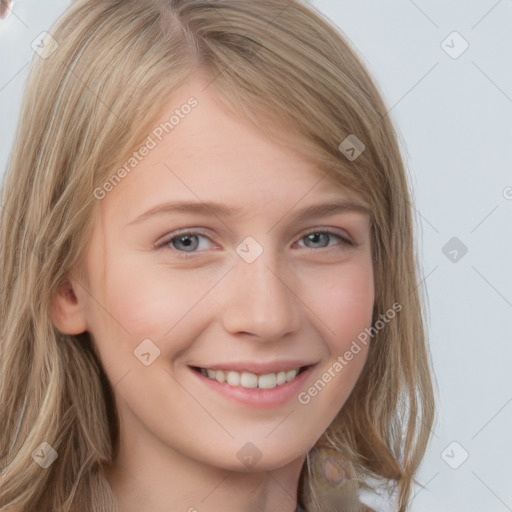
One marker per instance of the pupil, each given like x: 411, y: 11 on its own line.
x: 187, y: 241
x: 315, y: 237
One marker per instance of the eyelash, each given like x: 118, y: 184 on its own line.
x: 165, y: 243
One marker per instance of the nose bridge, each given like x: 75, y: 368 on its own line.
x: 261, y: 302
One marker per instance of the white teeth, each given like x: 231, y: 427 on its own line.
x: 267, y: 381
x: 233, y: 378
x: 251, y: 380
x: 291, y: 374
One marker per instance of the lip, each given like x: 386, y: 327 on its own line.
x: 255, y: 397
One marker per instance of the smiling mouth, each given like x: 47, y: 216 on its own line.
x: 250, y: 380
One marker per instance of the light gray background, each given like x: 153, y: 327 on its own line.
x: 454, y: 119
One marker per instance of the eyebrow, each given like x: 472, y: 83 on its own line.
x: 219, y: 209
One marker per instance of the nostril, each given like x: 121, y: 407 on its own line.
x: 5, y: 8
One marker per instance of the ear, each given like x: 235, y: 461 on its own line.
x: 67, y: 310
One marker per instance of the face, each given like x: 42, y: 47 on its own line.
x: 217, y: 258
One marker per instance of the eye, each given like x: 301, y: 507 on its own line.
x: 186, y: 243
x: 320, y: 239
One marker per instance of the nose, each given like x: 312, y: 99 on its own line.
x: 260, y: 299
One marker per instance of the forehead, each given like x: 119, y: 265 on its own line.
x: 207, y: 153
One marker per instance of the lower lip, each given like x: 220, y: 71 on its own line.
x: 255, y: 397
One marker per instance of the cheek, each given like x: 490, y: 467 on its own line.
x: 345, y: 305
x: 150, y: 301
x: 346, y: 308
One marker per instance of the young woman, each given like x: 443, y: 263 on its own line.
x: 209, y: 297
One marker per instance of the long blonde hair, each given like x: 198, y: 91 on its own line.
x: 276, y: 63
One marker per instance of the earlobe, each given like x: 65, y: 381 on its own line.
x: 67, y: 311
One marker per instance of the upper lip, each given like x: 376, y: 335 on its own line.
x: 255, y: 367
